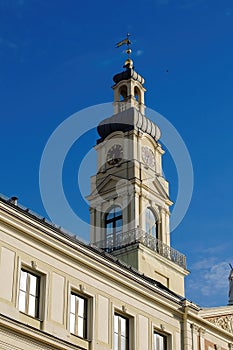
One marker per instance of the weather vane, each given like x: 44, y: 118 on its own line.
x: 127, y: 42
x: 128, y: 63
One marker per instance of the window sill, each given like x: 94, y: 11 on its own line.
x: 84, y: 343
x: 30, y: 320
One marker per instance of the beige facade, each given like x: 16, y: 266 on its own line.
x: 65, y: 265
x: 126, y: 289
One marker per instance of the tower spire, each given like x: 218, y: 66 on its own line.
x: 230, y: 302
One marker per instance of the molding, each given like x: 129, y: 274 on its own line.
x: 34, y: 336
x: 225, y: 322
x: 195, y: 328
x: 202, y: 331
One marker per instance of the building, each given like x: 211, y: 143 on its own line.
x: 123, y: 291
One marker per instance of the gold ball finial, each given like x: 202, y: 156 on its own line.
x: 128, y: 63
x: 128, y: 51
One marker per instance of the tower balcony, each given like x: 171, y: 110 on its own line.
x: 137, y: 235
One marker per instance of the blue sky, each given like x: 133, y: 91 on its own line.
x: 57, y: 58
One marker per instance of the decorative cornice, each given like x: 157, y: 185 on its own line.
x: 224, y: 322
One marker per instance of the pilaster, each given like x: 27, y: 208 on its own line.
x: 202, y: 338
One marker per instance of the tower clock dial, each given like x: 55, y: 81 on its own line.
x: 148, y: 156
x: 115, y: 154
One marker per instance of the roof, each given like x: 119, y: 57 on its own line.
x: 91, y: 247
x: 130, y: 119
x: 127, y: 74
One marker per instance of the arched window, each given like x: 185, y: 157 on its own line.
x: 137, y: 94
x: 151, y: 223
x: 113, y: 225
x: 123, y: 93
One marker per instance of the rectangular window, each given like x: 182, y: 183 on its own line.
x: 121, y: 332
x: 29, y: 293
x: 160, y: 341
x: 78, y: 315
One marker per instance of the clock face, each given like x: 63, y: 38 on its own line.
x: 148, y: 156
x: 115, y: 154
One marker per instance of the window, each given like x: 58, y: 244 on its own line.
x: 151, y: 224
x: 160, y: 341
x: 123, y: 93
x: 113, y: 225
x: 137, y: 94
x: 78, y: 315
x: 121, y: 332
x: 29, y: 293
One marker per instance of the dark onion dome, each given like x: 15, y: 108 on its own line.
x: 129, y: 73
x: 130, y: 119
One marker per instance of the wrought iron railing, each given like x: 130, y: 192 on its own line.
x: 122, y: 239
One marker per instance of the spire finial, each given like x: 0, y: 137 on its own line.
x: 128, y: 51
x: 231, y: 286
x: 126, y: 41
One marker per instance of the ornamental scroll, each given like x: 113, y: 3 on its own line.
x: 224, y: 322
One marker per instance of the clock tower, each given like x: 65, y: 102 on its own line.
x: 129, y: 200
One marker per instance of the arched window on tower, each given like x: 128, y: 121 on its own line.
x: 137, y: 94
x: 151, y: 223
x: 123, y: 93
x: 113, y: 226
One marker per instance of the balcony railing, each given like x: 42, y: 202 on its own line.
x: 122, y: 239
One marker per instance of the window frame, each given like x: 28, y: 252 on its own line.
x: 148, y: 220
x: 121, y: 317
x: 111, y: 238
x: 86, y: 299
x: 161, y: 336
x: 28, y: 293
